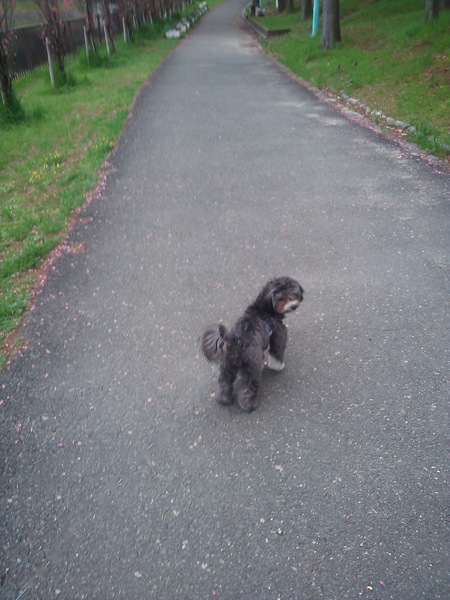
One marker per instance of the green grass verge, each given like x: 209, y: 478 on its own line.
x: 388, y: 58
x: 51, y: 157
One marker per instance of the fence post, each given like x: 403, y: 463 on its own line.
x: 124, y: 30
x: 106, y: 37
x: 86, y: 43
x: 50, y: 62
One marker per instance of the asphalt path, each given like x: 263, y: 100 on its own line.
x: 121, y: 476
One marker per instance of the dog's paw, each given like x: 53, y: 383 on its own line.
x: 223, y: 399
x: 248, y: 404
x: 274, y: 364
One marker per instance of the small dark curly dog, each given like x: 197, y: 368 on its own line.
x: 242, y: 352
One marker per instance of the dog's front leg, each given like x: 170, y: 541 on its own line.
x: 277, y: 348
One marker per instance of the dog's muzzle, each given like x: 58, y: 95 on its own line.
x: 291, y: 305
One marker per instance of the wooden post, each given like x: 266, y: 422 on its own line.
x: 50, y: 62
x: 86, y: 43
x: 124, y: 30
x: 106, y: 38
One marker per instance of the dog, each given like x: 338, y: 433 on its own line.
x: 258, y: 339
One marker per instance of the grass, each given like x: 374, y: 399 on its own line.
x: 388, y: 58
x: 50, y: 159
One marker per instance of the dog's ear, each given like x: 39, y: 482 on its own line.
x: 278, y: 299
x: 266, y: 298
x: 278, y: 290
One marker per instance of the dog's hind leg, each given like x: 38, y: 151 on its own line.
x: 248, y: 386
x: 227, y: 375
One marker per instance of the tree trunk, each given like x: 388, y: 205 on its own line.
x: 431, y: 9
x: 5, y: 88
x: 331, y: 33
x: 5, y: 74
x: 306, y: 9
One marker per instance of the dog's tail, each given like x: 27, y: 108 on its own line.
x: 214, y: 342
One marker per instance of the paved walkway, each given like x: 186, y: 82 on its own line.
x: 121, y: 477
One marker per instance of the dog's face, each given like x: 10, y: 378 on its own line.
x: 286, y: 295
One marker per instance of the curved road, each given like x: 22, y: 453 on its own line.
x: 121, y: 477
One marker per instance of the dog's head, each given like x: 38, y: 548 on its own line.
x: 282, y: 296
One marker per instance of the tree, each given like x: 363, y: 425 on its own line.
x: 125, y: 9
x: 306, y: 9
x: 53, y: 30
x: 6, y: 49
x: 431, y: 9
x: 87, y: 8
x: 105, y: 7
x: 331, y: 32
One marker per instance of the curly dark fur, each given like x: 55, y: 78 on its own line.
x: 257, y: 339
